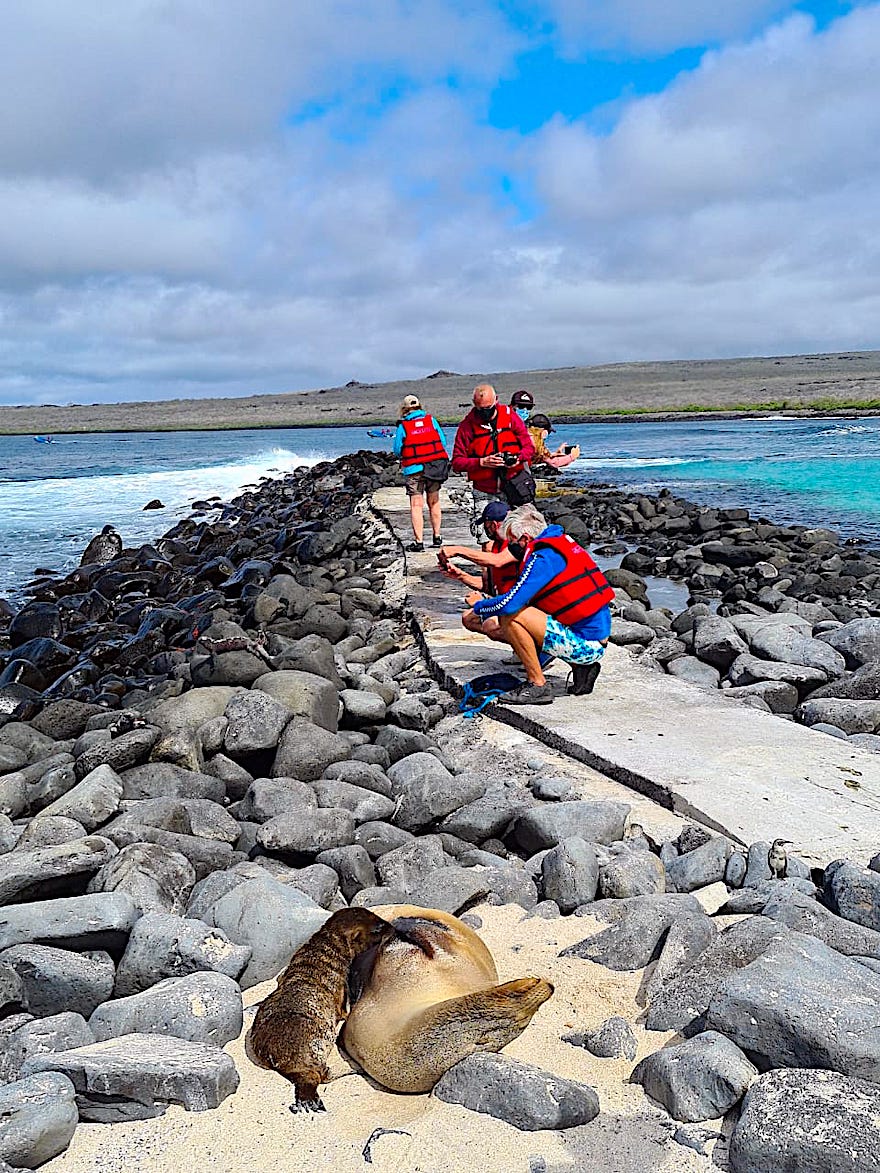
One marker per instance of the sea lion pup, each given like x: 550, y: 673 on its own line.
x: 295, y: 1026
x: 430, y: 997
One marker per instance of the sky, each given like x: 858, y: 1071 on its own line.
x: 222, y: 197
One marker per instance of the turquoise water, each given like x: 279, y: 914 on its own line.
x: 54, y: 497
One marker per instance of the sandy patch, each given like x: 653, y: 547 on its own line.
x: 253, y: 1131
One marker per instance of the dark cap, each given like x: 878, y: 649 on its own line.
x: 495, y: 511
x: 522, y: 398
x: 541, y: 421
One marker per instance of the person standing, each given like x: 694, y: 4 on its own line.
x: 420, y: 446
x: 493, y: 448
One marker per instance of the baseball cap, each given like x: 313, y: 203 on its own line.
x: 410, y: 403
x: 522, y: 398
x: 541, y: 421
x: 495, y: 511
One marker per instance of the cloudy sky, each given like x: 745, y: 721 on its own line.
x: 216, y: 197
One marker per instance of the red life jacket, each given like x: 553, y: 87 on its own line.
x: 421, y: 441
x: 502, y: 578
x: 579, y: 590
x: 487, y: 441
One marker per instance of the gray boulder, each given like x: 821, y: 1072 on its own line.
x: 255, y: 721
x: 202, y: 1007
x: 522, y: 1095
x: 169, y: 780
x: 487, y: 817
x: 698, y: 868
x: 268, y: 797
x: 273, y: 919
x: 156, y: 879
x: 699, y: 1079
x: 717, y: 642
x: 854, y: 893
x: 361, y: 773
x: 42, y: 1036
x: 798, y: 911
x: 570, y: 874
x: 638, y: 928
x: 614, y: 1039
x: 180, y: 720
x: 99, y: 921
x: 748, y: 669
x: 49, y: 871
x: 365, y: 805
x: 852, y: 716
x: 794, y: 1006
x: 352, y: 865
x: 362, y: 707
x: 138, y: 1076
x: 427, y: 791
x: 13, y: 795
x: 452, y: 888
x: 38, y: 1117
x: 91, y: 802
x: 303, y: 694
x: 807, y: 1121
x: 306, y: 750
x: 596, y: 821
x: 632, y: 873
x: 793, y: 646
x: 54, y: 980
x: 694, y: 671
x: 408, y: 866
x: 757, y: 865
x: 777, y: 695
x: 377, y: 838
x: 857, y: 641
x: 49, y: 831
x: 307, y: 831
x: 118, y: 753
x: 165, y: 946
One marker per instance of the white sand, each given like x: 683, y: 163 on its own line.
x: 253, y: 1131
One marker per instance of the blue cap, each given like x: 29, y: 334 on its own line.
x: 495, y: 511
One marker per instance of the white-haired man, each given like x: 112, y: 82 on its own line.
x: 559, y: 606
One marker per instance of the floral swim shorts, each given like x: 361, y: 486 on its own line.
x: 567, y: 645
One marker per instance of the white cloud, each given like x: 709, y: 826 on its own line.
x: 652, y: 27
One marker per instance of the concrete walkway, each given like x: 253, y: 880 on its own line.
x: 746, y: 773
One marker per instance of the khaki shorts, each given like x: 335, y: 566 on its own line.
x: 416, y: 485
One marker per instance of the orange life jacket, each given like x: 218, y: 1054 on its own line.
x: 499, y: 438
x: 421, y: 441
x: 579, y: 590
x: 502, y: 578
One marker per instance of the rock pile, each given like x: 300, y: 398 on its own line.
x: 783, y: 618
x: 244, y: 744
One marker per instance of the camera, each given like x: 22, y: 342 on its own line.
x: 509, y: 458
x: 568, y: 449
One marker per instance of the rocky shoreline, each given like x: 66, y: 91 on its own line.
x: 209, y: 744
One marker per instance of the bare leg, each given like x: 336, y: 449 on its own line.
x: 525, y: 633
x: 416, y: 517
x: 490, y: 628
x: 434, y: 512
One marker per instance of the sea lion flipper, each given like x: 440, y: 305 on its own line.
x: 484, y: 1021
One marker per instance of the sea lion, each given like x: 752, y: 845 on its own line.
x: 295, y: 1026
x: 430, y: 997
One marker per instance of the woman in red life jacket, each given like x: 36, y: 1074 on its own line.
x: 559, y: 606
x: 420, y: 446
x: 500, y: 569
x: 492, y: 442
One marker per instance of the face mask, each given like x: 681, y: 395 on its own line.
x: 486, y: 413
x: 523, y: 413
x: 517, y: 549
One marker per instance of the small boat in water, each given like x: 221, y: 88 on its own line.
x: 380, y: 433
x: 45, y: 439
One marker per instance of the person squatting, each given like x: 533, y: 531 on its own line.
x: 557, y: 605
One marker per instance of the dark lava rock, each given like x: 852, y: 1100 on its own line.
x: 808, y: 1122
x: 570, y: 873
x: 201, y: 1007
x: 698, y: 1079
x: 524, y: 1096
x: 38, y: 1117
x: 100, y: 921
x: 163, y: 946
x: 638, y: 927
x: 54, y: 980
x: 854, y: 893
x: 596, y: 821
x: 614, y: 1039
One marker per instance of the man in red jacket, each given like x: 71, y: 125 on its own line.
x: 492, y: 442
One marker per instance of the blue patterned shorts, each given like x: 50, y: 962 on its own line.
x: 567, y: 645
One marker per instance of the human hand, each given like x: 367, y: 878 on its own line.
x: 496, y: 460
x: 473, y: 597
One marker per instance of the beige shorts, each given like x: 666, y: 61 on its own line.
x: 416, y: 485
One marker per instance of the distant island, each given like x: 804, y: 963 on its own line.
x: 809, y: 384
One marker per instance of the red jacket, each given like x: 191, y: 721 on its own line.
x: 578, y: 591
x: 502, y: 578
x: 472, y: 433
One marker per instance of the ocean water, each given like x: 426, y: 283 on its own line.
x: 54, y: 497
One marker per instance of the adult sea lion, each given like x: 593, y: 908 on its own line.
x: 295, y: 1026
x: 429, y: 997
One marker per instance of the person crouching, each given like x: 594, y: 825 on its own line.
x: 499, y: 570
x: 559, y: 606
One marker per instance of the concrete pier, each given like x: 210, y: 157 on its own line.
x: 743, y: 772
